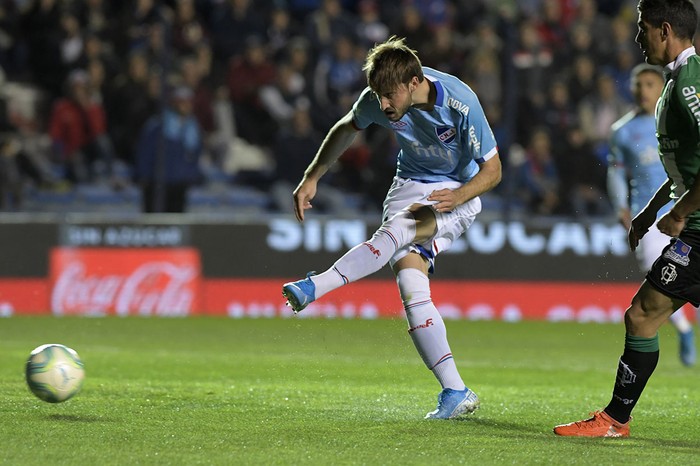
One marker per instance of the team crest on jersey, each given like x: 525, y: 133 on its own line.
x: 679, y: 252
x: 668, y: 274
x: 446, y: 134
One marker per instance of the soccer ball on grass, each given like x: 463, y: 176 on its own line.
x: 54, y: 373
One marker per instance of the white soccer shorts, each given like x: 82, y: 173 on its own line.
x: 450, y: 225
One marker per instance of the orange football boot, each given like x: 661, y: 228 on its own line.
x: 598, y: 425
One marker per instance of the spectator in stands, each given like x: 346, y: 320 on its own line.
x: 559, y: 112
x: 137, y: 20
x: 370, y: 28
x: 468, y: 14
x: 97, y: 76
x: 24, y: 149
x: 443, y: 52
x: 598, y: 111
x: 353, y: 166
x: 247, y: 75
x: 11, y: 59
x: 381, y: 166
x: 622, y: 36
x: 410, y: 24
x: 188, y: 29
x: 78, y: 130
x: 582, y: 79
x: 582, y: 175
x: 18, y: 167
x: 281, y: 30
x: 598, y: 25
x: 215, y: 32
x: 293, y: 148
x: 95, y: 49
x: 282, y: 98
x: 97, y: 18
x: 552, y: 25
x: 538, y: 184
x: 292, y: 151
x: 581, y: 42
x: 532, y: 61
x: 231, y: 23
x: 202, y: 100
x: 337, y: 79
x: 167, y: 155
x: 42, y: 21
x: 72, y: 41
x: 624, y: 59
x: 483, y: 38
x: 297, y: 56
x: 10, y: 177
x: 324, y: 26
x: 130, y: 105
x: 435, y: 13
x: 157, y: 48
x: 483, y: 74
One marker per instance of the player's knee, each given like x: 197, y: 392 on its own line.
x: 414, y: 286
x: 645, y: 315
x: 402, y: 227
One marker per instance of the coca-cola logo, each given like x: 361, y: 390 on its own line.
x: 152, y: 288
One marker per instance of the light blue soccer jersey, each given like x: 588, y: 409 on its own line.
x: 444, y: 144
x: 634, y: 146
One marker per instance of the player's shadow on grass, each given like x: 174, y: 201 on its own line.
x: 75, y: 418
x: 671, y: 446
x: 674, y: 446
x: 498, y: 424
x: 512, y: 428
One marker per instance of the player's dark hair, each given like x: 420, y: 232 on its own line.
x: 391, y: 64
x: 680, y: 14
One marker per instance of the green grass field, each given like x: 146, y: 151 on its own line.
x: 303, y: 391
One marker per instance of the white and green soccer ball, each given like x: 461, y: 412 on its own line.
x: 54, y: 373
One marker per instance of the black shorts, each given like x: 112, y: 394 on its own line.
x: 676, y: 273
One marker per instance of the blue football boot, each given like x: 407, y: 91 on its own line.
x: 454, y: 403
x: 300, y: 293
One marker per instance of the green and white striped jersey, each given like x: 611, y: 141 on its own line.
x: 678, y: 125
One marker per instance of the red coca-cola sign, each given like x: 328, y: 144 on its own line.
x: 110, y: 281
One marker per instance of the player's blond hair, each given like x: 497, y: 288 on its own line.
x: 391, y: 64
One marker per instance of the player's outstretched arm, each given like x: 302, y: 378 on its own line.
x: 338, y: 139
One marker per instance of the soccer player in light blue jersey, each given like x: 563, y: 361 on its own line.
x: 634, y: 156
x: 448, y: 157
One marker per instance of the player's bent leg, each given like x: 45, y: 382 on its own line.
x: 365, y: 258
x: 427, y: 330
x: 415, y: 224
x: 649, y: 310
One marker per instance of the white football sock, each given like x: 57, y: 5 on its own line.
x: 427, y: 328
x: 368, y: 257
x: 680, y: 321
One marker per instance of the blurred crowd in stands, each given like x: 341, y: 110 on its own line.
x: 211, y: 104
